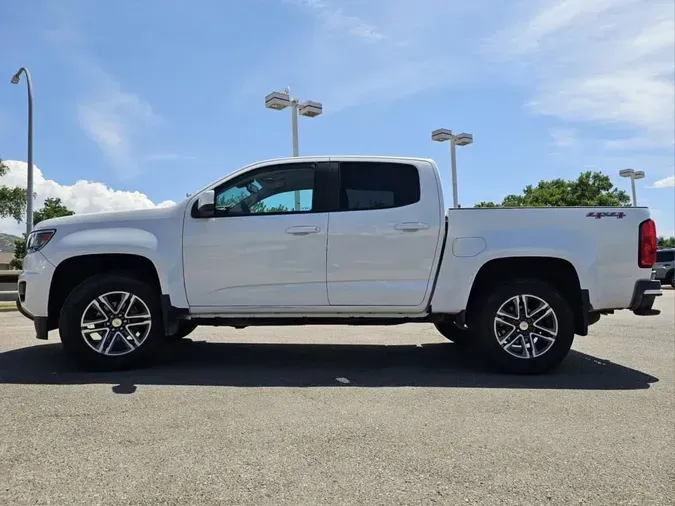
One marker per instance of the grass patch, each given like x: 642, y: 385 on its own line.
x: 7, y: 306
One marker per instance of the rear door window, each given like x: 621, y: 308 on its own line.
x: 377, y: 185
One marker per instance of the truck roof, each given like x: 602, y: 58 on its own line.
x: 343, y: 157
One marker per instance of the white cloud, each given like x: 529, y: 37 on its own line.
x: 334, y: 19
x: 552, y: 19
x: 632, y: 143
x: 600, y: 61
x: 120, y: 121
x: 606, y: 61
x: 666, y: 182
x: 167, y: 157
x: 116, y: 120
x: 664, y: 227
x: 351, y: 53
x: 564, y: 137
x: 81, y: 197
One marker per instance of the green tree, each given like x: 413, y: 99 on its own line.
x: 666, y: 242
x: 593, y: 189
x: 257, y: 208
x: 19, y: 253
x: 12, y: 200
x: 53, y: 208
x: 261, y: 207
x: 486, y: 204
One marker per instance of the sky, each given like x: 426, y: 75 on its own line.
x: 138, y: 102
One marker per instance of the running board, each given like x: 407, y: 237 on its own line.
x: 239, y: 322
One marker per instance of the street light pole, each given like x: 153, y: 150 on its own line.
x: 279, y: 100
x: 294, y: 126
x: 29, y: 182
x: 633, y: 175
x: 294, y: 115
x: 453, y: 162
x: 463, y: 139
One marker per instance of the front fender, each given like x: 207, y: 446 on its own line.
x: 121, y: 240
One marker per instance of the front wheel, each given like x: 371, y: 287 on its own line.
x: 185, y: 328
x: 111, y: 321
x: 670, y: 279
x: 523, y: 326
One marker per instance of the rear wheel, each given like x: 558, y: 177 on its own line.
x: 111, y: 321
x: 453, y: 333
x: 523, y: 326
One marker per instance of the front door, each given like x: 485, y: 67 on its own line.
x: 265, y: 246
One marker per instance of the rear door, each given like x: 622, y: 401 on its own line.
x: 383, y: 240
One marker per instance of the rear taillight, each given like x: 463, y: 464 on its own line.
x: 647, y: 246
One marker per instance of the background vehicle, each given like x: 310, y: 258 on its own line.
x: 337, y: 240
x: 664, y: 268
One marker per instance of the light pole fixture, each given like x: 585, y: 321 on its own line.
x: 463, y: 139
x: 279, y: 100
x: 29, y: 183
x: 633, y: 175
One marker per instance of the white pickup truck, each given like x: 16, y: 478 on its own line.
x: 336, y: 240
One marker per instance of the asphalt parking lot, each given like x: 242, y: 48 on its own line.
x: 341, y: 415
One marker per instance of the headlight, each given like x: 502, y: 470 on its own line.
x: 38, y: 240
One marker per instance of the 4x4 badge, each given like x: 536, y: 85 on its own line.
x: 612, y: 214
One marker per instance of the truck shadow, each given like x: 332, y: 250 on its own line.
x: 315, y: 365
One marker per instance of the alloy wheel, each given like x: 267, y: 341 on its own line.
x: 116, y: 323
x: 526, y: 326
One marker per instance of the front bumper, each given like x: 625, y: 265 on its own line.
x: 659, y: 273
x: 644, y: 295
x: 41, y: 323
x: 33, y: 288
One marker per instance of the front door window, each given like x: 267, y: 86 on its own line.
x: 273, y: 190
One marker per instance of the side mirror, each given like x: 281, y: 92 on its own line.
x: 206, y: 203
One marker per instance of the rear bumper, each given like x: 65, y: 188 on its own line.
x: 644, y: 295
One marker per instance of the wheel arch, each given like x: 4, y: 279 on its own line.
x: 74, y: 270
x: 558, y: 272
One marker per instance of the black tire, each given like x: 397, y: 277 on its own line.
x: 453, y: 333
x: 670, y: 279
x: 185, y: 328
x: 553, y: 351
x: 123, y: 354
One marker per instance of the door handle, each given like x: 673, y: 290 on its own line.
x: 411, y: 226
x: 302, y: 230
